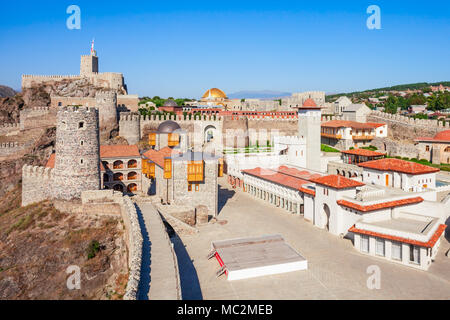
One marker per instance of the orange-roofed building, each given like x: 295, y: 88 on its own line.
x: 344, y: 134
x: 435, y: 149
x: 122, y: 168
x: 395, y: 173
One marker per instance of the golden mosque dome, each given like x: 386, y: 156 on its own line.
x: 214, y: 93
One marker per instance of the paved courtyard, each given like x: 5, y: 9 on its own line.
x: 335, y: 270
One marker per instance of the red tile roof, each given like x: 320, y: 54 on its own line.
x: 379, y: 206
x: 364, y: 152
x: 337, y: 182
x: 309, y: 103
x: 278, y: 176
x: 375, y: 125
x: 119, y: 151
x: 307, y: 191
x: 398, y: 165
x: 51, y: 161
x: 346, y: 124
x: 443, y: 136
x: 430, y: 244
x: 159, y: 156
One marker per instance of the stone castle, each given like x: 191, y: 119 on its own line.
x: 88, y: 70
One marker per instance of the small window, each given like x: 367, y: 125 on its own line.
x: 197, y: 188
x: 364, y: 243
x: 81, y: 161
x: 380, y: 247
x: 414, y: 254
x: 189, y: 187
x: 81, y: 143
x: 81, y: 125
x: 427, y: 148
x: 396, y: 251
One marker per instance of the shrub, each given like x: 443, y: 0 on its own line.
x: 93, y: 249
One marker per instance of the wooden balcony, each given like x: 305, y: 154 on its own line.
x: 331, y: 135
x: 362, y: 138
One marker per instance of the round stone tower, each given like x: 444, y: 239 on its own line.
x: 77, y: 155
x: 130, y: 127
x: 106, y: 102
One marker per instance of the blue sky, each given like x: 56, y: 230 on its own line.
x: 182, y: 48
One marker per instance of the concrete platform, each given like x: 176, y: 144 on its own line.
x: 246, y: 258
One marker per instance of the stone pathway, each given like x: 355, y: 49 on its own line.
x: 159, y: 272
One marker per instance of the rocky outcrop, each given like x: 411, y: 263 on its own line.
x: 7, y: 92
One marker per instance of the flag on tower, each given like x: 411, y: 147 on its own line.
x: 92, y: 47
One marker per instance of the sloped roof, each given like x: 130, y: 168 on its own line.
x: 398, y: 165
x: 379, y: 206
x: 159, y: 156
x: 337, y: 182
x: 430, y: 244
x: 119, y: 151
x: 363, y: 152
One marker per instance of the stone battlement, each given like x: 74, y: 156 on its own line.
x: 43, y: 77
x: 37, y: 172
x: 79, y: 109
x: 9, y: 127
x: 7, y: 145
x: 410, y: 121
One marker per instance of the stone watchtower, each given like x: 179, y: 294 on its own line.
x: 130, y: 127
x: 309, y: 127
x: 89, y: 64
x: 106, y: 102
x: 77, y: 153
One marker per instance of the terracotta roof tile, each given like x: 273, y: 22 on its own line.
x: 159, y: 156
x: 347, y: 124
x: 375, y: 125
x: 51, y: 161
x: 117, y: 151
x: 379, y: 206
x: 337, y: 182
x: 278, y: 177
x: 430, y: 244
x: 364, y: 152
x: 398, y: 165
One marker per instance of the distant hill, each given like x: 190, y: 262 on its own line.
x: 6, y: 92
x: 262, y: 94
x: 401, y: 87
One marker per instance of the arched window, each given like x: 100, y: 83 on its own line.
x: 81, y: 125
x: 105, y: 165
x: 132, y: 188
x: 132, y: 164
x: 118, y: 176
x: 132, y: 176
x: 118, y: 164
x: 447, y: 149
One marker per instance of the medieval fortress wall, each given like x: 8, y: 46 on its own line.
x: 229, y: 129
x: 76, y: 160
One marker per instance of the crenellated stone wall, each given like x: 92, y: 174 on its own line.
x: 406, y: 128
x: 36, y: 183
x: 8, y: 128
x: 9, y: 148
